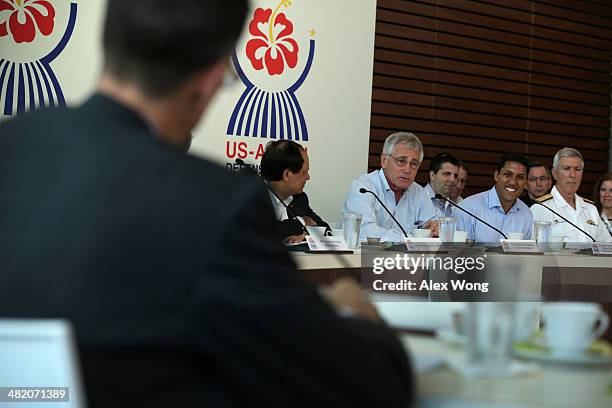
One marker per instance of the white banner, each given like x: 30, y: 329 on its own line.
x: 304, y: 68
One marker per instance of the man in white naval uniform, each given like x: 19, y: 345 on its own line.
x: 568, y: 167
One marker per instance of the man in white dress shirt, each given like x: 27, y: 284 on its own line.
x: 394, y: 184
x: 568, y: 167
x: 443, y: 175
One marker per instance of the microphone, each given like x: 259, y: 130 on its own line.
x: 290, y: 212
x: 363, y: 191
x: 568, y: 221
x: 441, y: 197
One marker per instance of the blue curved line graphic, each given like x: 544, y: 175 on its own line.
x: 30, y: 88
x: 306, y: 70
x: 231, y: 127
x: 247, y: 130
x: 293, y: 131
x: 239, y: 71
x: 281, y: 125
x: 58, y: 90
x: 65, y: 38
x: 264, y: 95
x: 47, y: 86
x: 264, y: 121
x: 273, y: 118
x: 287, y: 117
x: 2, y: 75
x: 20, y: 93
x: 301, y: 117
x: 244, y: 109
x: 8, y: 102
x: 41, y: 97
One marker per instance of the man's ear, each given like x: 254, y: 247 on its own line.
x: 554, y: 174
x: 431, y: 175
x: 495, y: 175
x: 286, y: 174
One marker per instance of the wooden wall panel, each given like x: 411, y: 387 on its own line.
x: 479, y: 78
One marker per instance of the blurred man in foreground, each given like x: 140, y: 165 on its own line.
x: 170, y: 268
x: 394, y: 185
x: 500, y: 205
x: 568, y: 167
x: 285, y: 166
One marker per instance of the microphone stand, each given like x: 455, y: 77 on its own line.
x: 441, y: 197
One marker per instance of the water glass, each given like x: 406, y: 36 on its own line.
x: 351, y: 224
x: 489, y: 337
x: 447, y: 229
x: 541, y: 233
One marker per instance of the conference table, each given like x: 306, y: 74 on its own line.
x: 565, y: 276
x: 546, y: 385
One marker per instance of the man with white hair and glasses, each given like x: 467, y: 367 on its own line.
x: 394, y: 184
x: 567, y: 170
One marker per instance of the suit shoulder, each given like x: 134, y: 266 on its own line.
x: 544, y: 198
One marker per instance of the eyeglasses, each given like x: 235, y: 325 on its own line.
x: 541, y: 178
x: 402, y: 162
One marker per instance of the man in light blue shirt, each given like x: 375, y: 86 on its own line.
x: 443, y: 175
x: 500, y: 205
x: 394, y: 185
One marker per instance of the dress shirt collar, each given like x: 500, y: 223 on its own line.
x: 276, y: 200
x: 560, y: 201
x: 383, y: 180
x: 430, y: 191
x: 493, y: 201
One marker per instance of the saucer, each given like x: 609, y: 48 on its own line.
x: 536, y: 352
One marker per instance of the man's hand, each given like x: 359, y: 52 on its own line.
x: 434, y: 226
x: 345, y: 293
x: 292, y: 239
x: 309, y: 221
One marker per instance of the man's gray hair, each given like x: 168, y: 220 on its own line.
x: 566, y: 152
x: 410, y: 140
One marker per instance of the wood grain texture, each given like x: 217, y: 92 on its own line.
x: 479, y: 78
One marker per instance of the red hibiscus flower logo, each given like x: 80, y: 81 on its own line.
x: 271, y: 46
x: 24, y: 16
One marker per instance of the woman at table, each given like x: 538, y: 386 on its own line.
x: 602, y: 196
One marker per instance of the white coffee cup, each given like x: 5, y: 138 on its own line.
x: 570, y: 327
x: 515, y: 236
x: 316, y: 231
x: 556, y: 241
x: 460, y: 236
x: 419, y: 233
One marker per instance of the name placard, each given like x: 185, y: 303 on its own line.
x: 423, y: 244
x: 325, y: 243
x: 513, y: 246
x: 602, y: 248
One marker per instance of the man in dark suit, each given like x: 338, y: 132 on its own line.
x: 168, y: 267
x: 285, y: 167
